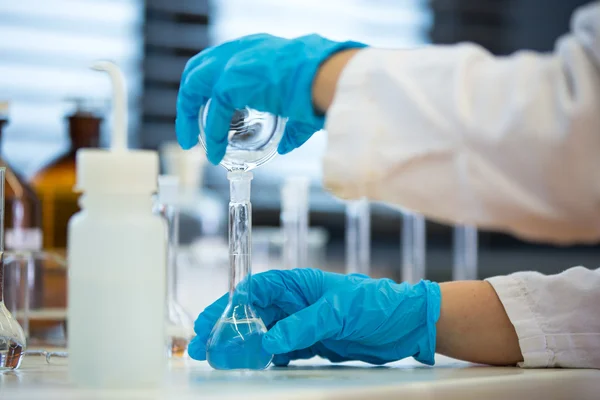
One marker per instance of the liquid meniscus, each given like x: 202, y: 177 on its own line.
x: 237, y: 344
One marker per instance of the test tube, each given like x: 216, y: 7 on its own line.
x: 358, y: 237
x: 294, y: 222
x: 465, y: 253
x: 413, y: 247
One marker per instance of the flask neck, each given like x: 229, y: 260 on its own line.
x: 240, y: 238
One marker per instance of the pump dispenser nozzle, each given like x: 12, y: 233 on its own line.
x: 118, y: 170
x: 119, y: 99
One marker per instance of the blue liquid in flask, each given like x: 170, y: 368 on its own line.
x: 237, y: 344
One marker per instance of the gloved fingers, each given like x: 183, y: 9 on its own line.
x: 196, y: 86
x: 282, y: 360
x: 325, y: 352
x: 197, y: 348
x: 288, y: 290
x: 303, y: 329
x: 352, y: 350
x: 186, y: 123
x: 295, y: 135
x: 187, y: 131
x: 218, y: 120
x: 319, y: 349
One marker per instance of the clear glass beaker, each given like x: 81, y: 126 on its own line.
x: 12, y: 337
x: 37, y: 297
x: 252, y: 140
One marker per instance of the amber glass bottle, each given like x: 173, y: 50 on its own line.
x: 22, y: 219
x: 55, y: 183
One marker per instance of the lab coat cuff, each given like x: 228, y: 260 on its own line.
x: 519, y: 306
x: 347, y: 162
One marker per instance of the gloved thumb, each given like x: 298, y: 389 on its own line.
x: 301, y: 330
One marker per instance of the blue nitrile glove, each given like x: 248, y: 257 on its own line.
x: 339, y: 317
x: 263, y: 72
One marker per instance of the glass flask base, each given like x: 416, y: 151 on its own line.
x: 237, y: 344
x: 11, y: 354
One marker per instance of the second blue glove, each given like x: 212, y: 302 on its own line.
x: 339, y: 317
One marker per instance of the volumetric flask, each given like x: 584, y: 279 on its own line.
x: 12, y: 337
x: 253, y: 138
x: 236, y: 339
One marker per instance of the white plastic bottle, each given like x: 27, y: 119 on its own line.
x: 117, y: 262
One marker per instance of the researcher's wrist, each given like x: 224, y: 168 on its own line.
x: 327, y: 77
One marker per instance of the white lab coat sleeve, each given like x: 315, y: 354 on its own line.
x: 556, y: 317
x: 506, y: 143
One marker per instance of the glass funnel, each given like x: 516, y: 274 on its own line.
x: 12, y: 337
x: 236, y: 339
x: 253, y: 138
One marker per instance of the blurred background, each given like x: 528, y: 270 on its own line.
x: 55, y: 103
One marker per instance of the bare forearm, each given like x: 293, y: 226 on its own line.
x: 327, y: 77
x: 473, y: 325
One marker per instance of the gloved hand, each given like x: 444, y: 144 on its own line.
x: 339, y: 317
x: 263, y: 72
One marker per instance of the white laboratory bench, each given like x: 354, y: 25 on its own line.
x: 317, y: 379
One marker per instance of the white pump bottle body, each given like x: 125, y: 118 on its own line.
x: 117, y: 259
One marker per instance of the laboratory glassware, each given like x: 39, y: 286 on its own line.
x: 117, y: 252
x: 413, y: 247
x: 12, y: 337
x: 44, y: 322
x: 236, y: 339
x: 202, y: 253
x: 465, y: 253
x: 179, y: 325
x: 252, y: 139
x: 358, y: 237
x: 55, y: 182
x: 30, y: 276
x: 294, y: 222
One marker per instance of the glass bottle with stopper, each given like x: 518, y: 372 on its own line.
x: 236, y: 339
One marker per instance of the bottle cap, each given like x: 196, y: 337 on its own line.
x: 118, y: 169
x: 188, y: 165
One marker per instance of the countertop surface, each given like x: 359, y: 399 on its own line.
x: 317, y: 379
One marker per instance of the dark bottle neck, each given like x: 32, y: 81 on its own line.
x: 3, y: 123
x: 84, y: 130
